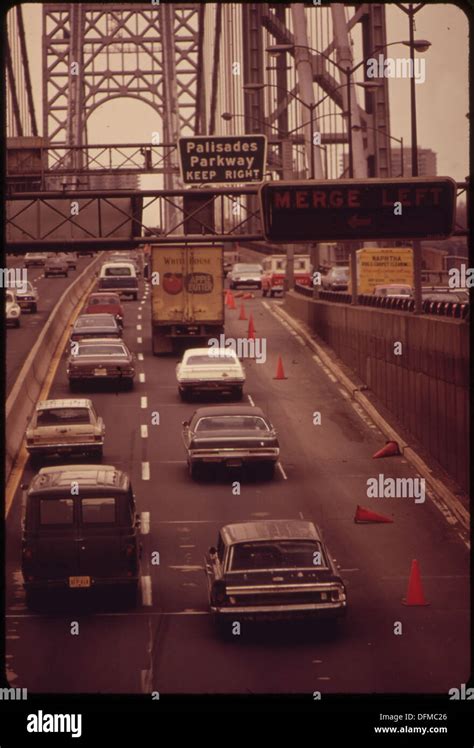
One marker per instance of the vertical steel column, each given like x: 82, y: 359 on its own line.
x: 75, y: 117
x: 170, y: 100
x: 26, y: 70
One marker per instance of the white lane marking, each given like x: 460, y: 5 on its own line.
x: 300, y: 341
x: 139, y: 327
x: 325, y: 368
x: 145, y: 523
x: 301, y: 515
x: 251, y: 401
x: 139, y: 316
x: 347, y: 570
x: 144, y: 431
x: 187, y: 567
x: 139, y: 340
x: 187, y: 546
x: 144, y: 402
x: 145, y: 583
x: 145, y: 471
x: 344, y: 393
x: 141, y: 377
x: 279, y: 466
x: 140, y: 356
x: 324, y: 677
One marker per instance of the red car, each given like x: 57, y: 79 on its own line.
x: 107, y: 303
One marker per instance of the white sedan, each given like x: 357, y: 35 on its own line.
x: 204, y: 370
x: 12, y: 308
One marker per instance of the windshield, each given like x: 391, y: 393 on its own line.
x: 102, y: 350
x: 278, y: 554
x: 248, y: 268
x: 231, y: 423
x: 340, y: 272
x: 118, y: 270
x: 62, y: 416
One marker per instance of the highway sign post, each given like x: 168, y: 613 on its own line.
x: 365, y: 210
x: 222, y: 160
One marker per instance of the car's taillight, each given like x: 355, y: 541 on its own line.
x: 337, y: 594
x: 219, y: 593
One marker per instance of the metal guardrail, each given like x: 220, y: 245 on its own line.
x: 439, y: 308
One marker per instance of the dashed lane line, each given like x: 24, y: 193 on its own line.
x: 145, y: 471
x: 144, y: 431
x: 144, y: 401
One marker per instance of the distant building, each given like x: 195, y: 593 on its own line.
x: 426, y: 162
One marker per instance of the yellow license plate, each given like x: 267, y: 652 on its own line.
x: 100, y: 372
x: 79, y: 581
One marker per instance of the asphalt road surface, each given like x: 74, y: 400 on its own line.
x: 168, y: 644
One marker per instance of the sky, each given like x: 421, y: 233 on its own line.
x: 442, y: 100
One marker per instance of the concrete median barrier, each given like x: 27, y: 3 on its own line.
x: 25, y: 392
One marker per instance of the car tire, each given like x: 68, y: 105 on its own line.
x: 238, y: 393
x: 267, y: 470
x: 33, y: 308
x: 272, y: 294
x: 129, y: 595
x: 264, y: 292
x: 98, y: 453
x: 46, y: 275
x: 129, y: 384
x: 135, y: 297
x: 32, y: 599
x: 17, y: 322
x: 195, y: 471
x: 73, y: 385
x: 184, y: 395
x: 223, y: 628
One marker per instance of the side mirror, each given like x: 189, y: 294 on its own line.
x: 212, y: 551
x: 24, y: 486
x: 185, y: 424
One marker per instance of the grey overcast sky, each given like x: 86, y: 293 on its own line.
x: 442, y: 100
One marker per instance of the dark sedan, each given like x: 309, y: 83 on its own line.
x: 272, y: 569
x: 232, y: 436
x: 100, y: 359
x: 95, y: 326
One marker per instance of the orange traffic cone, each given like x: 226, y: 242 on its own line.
x: 227, y: 297
x: 239, y: 294
x: 231, y: 301
x: 415, y: 589
x: 363, y: 515
x: 280, y: 373
x: 251, y: 330
x: 247, y: 296
x: 390, y: 449
x: 242, y: 314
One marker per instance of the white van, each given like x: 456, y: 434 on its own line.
x: 120, y: 277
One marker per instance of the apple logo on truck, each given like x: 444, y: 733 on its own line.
x: 199, y: 283
x: 173, y: 283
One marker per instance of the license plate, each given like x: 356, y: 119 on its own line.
x: 79, y: 582
x: 100, y: 372
x: 234, y: 463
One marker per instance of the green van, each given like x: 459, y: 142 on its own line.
x: 80, y: 531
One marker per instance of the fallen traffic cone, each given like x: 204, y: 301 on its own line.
x: 363, y: 515
x: 280, y: 373
x: 415, y: 589
x: 251, y: 330
x: 248, y: 296
x: 390, y: 449
x: 242, y: 314
x: 239, y: 294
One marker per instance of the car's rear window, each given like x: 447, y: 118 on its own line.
x: 62, y: 416
x: 100, y: 511
x: 95, y: 322
x: 101, y: 350
x: 284, y: 554
x: 56, y: 511
x: 340, y: 272
x: 224, y: 423
x: 95, y: 301
x: 119, y: 270
x: 210, y: 358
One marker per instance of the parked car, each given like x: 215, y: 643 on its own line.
x: 120, y: 277
x: 71, y: 259
x: 136, y: 259
x: 105, y: 303
x: 231, y: 257
x: 61, y: 427
x: 27, y: 296
x: 102, y: 514
x: 55, y: 264
x: 394, y: 290
x: 204, y: 370
x: 12, y: 308
x: 34, y: 258
x: 455, y: 295
x: 233, y: 436
x: 274, y: 273
x: 336, y: 279
x: 100, y: 359
x: 273, y: 569
x: 95, y: 326
x: 245, y: 274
